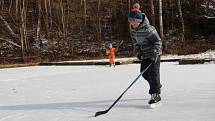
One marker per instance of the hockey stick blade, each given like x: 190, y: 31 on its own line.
x: 101, y: 112
x: 105, y: 111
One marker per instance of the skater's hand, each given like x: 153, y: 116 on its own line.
x: 154, y: 58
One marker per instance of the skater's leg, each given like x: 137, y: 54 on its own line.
x: 152, y: 75
x: 112, y: 61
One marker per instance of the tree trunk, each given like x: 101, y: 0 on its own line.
x: 17, y: 7
x: 99, y: 26
x: 152, y: 12
x: 129, y: 5
x: 50, y: 13
x: 23, y: 35
x: 168, y: 20
x: 47, y: 18
x: 85, y: 12
x: 161, y: 19
x: 182, y: 23
x: 172, y: 18
x: 38, y: 24
x: 67, y: 19
x: 11, y: 3
x: 1, y: 4
x: 62, y: 16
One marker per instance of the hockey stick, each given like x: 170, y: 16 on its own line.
x: 105, y: 111
x: 119, y: 45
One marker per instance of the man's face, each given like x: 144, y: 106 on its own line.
x: 134, y: 24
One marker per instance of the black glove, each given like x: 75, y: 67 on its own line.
x: 139, y: 56
x: 154, y: 58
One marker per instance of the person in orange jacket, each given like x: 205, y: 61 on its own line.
x: 110, y: 52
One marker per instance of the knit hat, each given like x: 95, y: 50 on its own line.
x: 110, y: 45
x: 136, y: 5
x: 135, y: 14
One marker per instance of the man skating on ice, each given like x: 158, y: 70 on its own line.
x: 147, y: 45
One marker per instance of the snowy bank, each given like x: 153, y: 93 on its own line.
x: 182, y: 59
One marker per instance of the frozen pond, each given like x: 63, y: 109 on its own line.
x: 75, y: 93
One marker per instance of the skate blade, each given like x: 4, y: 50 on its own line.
x: 155, y: 105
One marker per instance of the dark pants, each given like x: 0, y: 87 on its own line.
x: 152, y: 75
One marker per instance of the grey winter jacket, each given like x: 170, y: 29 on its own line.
x: 146, y: 40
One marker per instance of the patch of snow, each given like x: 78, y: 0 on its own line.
x: 210, y: 54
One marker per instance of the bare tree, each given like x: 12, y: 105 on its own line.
x: 85, y: 12
x: 9, y: 29
x: 23, y: 30
x: 62, y: 16
x: 50, y: 13
x: 67, y: 18
x: 152, y: 12
x: 11, y: 32
x: 169, y: 17
x: 129, y: 5
x: 99, y: 27
x: 182, y: 23
x: 99, y: 21
x: 11, y: 3
x: 38, y: 23
x: 10, y: 41
x: 17, y: 7
x: 161, y: 19
x: 46, y: 17
x: 2, y: 4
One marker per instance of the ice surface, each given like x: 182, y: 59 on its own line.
x: 75, y: 93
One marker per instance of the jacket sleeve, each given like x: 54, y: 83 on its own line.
x: 156, y: 41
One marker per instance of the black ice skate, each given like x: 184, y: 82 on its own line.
x: 155, y: 101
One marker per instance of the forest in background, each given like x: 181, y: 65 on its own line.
x: 57, y: 30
